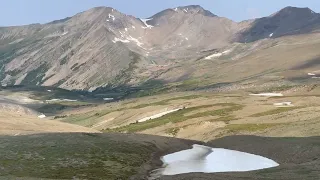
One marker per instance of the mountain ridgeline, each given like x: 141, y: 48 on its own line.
x: 104, y: 47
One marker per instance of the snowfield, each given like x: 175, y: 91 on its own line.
x: 120, y: 40
x: 211, y: 160
x: 107, y: 99
x: 158, y: 115
x: 268, y: 94
x: 55, y: 100
x: 111, y: 16
x: 214, y: 55
x: 283, y: 104
x: 217, y: 54
x: 145, y: 23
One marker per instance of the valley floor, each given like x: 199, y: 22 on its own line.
x: 206, y: 116
x: 138, y: 131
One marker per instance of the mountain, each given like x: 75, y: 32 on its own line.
x: 288, y: 21
x: 104, y: 47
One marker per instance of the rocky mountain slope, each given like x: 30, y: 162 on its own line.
x: 103, y: 46
x: 288, y: 21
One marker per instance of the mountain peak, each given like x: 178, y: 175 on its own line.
x: 190, y: 9
x: 290, y: 10
x: 195, y: 9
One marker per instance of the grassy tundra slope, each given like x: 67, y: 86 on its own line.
x: 132, y: 156
x: 206, y: 115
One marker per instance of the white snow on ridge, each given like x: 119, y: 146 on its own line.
x: 185, y: 10
x: 158, y: 115
x: 211, y: 160
x: 268, y: 94
x: 270, y: 35
x: 175, y: 9
x: 112, y: 16
x: 311, y: 74
x: 145, y: 23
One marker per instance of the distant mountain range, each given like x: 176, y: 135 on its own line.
x: 104, y: 47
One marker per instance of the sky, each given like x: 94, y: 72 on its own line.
x: 22, y: 12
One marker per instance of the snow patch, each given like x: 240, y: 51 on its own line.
x: 111, y: 16
x: 226, y: 51
x: 49, y: 90
x: 145, y: 23
x: 270, y: 35
x: 107, y: 20
x: 55, y: 100
x: 185, y: 10
x: 268, y: 94
x: 175, y: 9
x: 107, y: 99
x: 218, y: 54
x: 214, y: 55
x: 133, y: 27
x: 186, y: 38
x: 135, y: 40
x: 158, y: 115
x: 64, y: 33
x: 311, y: 74
x: 211, y: 160
x: 42, y: 116
x: 283, y: 104
x: 126, y: 29
x: 92, y: 89
x: 120, y: 40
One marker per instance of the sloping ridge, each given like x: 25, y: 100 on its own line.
x: 287, y: 21
x: 16, y: 119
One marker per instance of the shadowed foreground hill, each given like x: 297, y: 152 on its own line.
x: 129, y: 156
x: 84, y: 156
